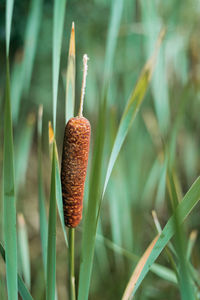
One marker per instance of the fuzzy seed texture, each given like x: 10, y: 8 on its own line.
x: 74, y: 167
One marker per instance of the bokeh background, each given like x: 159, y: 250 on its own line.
x: 169, y: 119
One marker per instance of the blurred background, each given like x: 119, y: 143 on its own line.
x: 118, y: 36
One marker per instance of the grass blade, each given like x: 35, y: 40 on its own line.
x: 22, y: 71
x: 58, y: 183
x: 31, y: 38
x: 185, y: 281
x: 51, y: 249
x: 191, y: 242
x: 157, y: 269
x: 24, y: 250
x: 138, y: 270
x: 17, y: 83
x: 183, y: 209
x: 23, y: 143
x: 115, y: 20
x: 89, y: 226
x: 58, y: 23
x: 152, y: 23
x: 24, y: 292
x: 41, y: 196
x: 9, y: 13
x: 132, y: 107
x: 59, y: 198
x: 9, y: 198
x: 70, y: 78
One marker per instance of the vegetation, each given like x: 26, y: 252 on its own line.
x: 142, y: 100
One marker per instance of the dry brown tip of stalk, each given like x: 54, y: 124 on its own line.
x: 72, y: 41
x: 193, y: 235
x: 85, y: 69
x: 51, y: 133
x: 40, y: 111
x: 155, y: 217
x: 21, y: 220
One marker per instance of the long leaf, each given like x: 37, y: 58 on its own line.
x: 9, y: 13
x: 24, y: 292
x: 89, y: 226
x: 23, y: 143
x: 115, y: 20
x: 24, y: 249
x: 59, y: 199
x: 159, y: 270
x: 185, y: 280
x: 58, y: 183
x: 51, y: 250
x: 22, y: 71
x: 9, y: 198
x: 183, y: 209
x: 41, y: 196
x: 132, y: 108
x: 90, y: 222
x: 70, y: 78
x: 31, y: 39
x: 58, y: 23
x: 137, y: 270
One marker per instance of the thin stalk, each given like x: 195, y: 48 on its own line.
x: 72, y: 293
x: 85, y: 68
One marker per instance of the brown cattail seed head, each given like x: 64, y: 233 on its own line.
x: 74, y: 166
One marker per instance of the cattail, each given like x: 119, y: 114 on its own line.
x: 74, y: 161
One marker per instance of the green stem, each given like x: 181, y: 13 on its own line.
x: 72, y: 293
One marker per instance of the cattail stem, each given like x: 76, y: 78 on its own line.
x: 72, y: 293
x: 85, y: 68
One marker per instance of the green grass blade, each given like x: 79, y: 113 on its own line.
x: 9, y: 198
x: 23, y: 143
x: 70, y: 80
x: 9, y: 13
x: 89, y: 226
x: 16, y: 84
x: 58, y: 183
x: 24, y: 250
x: 185, y: 282
x: 31, y: 38
x: 51, y: 249
x: 131, y: 109
x: 191, y: 242
x: 152, y: 24
x: 157, y: 269
x: 115, y: 20
x: 164, y: 273
x: 59, y: 199
x: 41, y: 196
x: 183, y: 209
x: 23, y: 67
x: 94, y: 202
x: 58, y: 23
x: 24, y: 292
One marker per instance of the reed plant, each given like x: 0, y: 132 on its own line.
x: 142, y: 100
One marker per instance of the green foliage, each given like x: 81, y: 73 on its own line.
x: 144, y: 155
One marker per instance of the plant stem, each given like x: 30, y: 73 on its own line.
x: 85, y: 68
x: 72, y: 293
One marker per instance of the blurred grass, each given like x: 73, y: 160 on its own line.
x: 118, y: 36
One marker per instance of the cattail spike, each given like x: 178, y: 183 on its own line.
x: 76, y: 145
x: 74, y: 167
x: 85, y: 68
